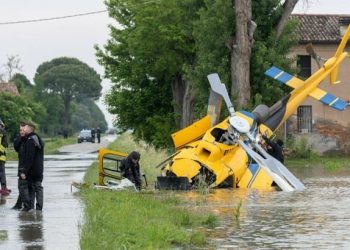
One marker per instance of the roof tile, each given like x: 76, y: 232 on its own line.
x: 319, y: 28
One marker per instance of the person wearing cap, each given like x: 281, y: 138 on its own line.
x: 131, y: 168
x: 31, y: 168
x: 3, y: 146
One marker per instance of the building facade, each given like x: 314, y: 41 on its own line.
x: 326, y: 129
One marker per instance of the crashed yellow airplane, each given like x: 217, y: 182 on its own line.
x: 229, y: 153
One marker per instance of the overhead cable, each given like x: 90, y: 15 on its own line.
x: 53, y: 18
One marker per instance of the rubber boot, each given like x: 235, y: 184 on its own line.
x: 5, y: 191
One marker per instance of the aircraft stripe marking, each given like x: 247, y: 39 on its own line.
x: 285, y: 77
x: 319, y: 94
x: 340, y: 104
x: 328, y: 98
x: 278, y: 74
x: 254, y: 169
x: 334, y: 101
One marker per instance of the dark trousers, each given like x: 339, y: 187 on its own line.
x: 37, y: 194
x: 24, y: 197
x: 29, y: 191
x: 2, y: 175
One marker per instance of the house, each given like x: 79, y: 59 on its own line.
x: 326, y: 129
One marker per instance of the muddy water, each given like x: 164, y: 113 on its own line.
x: 57, y: 226
x: 317, y: 218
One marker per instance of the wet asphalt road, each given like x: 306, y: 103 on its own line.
x: 58, y: 225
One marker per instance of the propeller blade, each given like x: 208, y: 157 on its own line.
x: 277, y: 171
x: 310, y: 50
x: 220, y: 88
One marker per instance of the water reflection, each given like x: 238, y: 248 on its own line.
x: 31, y: 229
x: 2, y: 200
x: 316, y: 218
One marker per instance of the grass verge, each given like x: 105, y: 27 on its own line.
x: 144, y: 220
x: 329, y: 163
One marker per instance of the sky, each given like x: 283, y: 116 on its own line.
x: 35, y: 43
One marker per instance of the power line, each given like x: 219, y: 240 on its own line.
x: 53, y: 18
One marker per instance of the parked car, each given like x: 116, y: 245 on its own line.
x: 85, y: 135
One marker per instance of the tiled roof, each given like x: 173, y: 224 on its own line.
x: 8, y: 87
x: 319, y: 28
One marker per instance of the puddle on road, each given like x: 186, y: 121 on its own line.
x: 58, y: 225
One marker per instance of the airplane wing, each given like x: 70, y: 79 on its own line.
x: 319, y: 94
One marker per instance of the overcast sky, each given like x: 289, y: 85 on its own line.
x: 36, y: 43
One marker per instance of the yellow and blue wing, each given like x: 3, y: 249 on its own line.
x: 319, y: 94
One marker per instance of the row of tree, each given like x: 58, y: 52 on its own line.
x: 159, y: 54
x: 61, y: 101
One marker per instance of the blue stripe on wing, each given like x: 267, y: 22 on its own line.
x: 334, y: 102
x: 278, y: 74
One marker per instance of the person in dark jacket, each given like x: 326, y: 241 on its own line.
x: 93, y: 134
x: 32, y: 168
x: 18, y: 146
x: 98, y: 134
x: 131, y: 168
x: 3, y: 146
x: 275, y: 149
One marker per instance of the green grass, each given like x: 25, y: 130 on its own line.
x: 51, y: 146
x: 146, y: 220
x: 329, y: 163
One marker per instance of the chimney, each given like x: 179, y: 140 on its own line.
x: 344, y: 22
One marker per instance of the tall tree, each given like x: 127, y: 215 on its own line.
x: 163, y: 50
x: 146, y: 55
x: 69, y: 78
x: 16, y: 108
x: 88, y: 115
x: 22, y: 82
x: 243, y: 42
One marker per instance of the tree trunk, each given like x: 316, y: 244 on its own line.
x: 66, y: 112
x: 187, y: 106
x: 288, y: 7
x: 241, y: 52
x: 183, y: 101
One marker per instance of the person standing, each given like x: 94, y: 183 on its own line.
x: 3, y: 146
x: 93, y: 135
x: 18, y: 146
x: 131, y: 168
x: 98, y: 134
x: 32, y: 168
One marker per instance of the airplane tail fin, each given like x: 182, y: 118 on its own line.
x: 339, y: 54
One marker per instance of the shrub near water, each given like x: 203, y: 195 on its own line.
x: 144, y: 220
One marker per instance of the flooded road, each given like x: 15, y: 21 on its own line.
x: 317, y: 218
x: 57, y: 226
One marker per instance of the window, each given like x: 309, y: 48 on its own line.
x: 304, y: 119
x: 304, y: 64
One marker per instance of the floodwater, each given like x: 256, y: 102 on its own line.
x: 316, y: 218
x: 58, y: 225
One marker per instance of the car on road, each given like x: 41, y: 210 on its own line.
x: 85, y: 135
